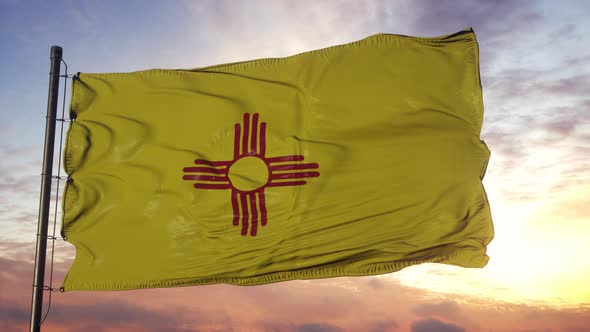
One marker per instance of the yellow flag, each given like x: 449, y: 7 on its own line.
x: 357, y: 159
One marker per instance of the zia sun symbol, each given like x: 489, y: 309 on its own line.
x: 249, y: 173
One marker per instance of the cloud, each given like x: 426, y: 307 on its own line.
x: 14, y: 314
x: 355, y: 304
x: 577, y: 61
x: 16, y: 251
x: 19, y: 193
x: 102, y: 316
x: 445, y: 309
x: 375, y: 283
x: 383, y: 326
x: 124, y: 316
x: 537, y: 112
x: 303, y: 25
x: 435, y: 325
x: 319, y: 327
x: 512, y: 85
x: 432, y: 16
x: 551, y: 144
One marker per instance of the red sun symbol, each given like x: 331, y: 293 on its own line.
x: 249, y: 173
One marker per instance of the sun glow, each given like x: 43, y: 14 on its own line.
x: 532, y: 260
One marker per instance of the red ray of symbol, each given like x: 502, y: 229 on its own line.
x: 249, y: 207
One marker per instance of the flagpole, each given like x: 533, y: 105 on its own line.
x: 45, y: 197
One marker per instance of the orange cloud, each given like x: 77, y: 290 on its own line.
x: 374, y: 304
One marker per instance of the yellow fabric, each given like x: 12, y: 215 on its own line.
x: 384, y: 132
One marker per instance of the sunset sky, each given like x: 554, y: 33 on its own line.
x: 535, y: 71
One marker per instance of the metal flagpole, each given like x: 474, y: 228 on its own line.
x: 43, y: 222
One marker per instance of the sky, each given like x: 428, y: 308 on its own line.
x: 535, y: 71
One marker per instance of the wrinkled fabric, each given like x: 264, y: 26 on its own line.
x: 353, y: 160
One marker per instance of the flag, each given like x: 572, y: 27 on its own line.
x: 353, y: 160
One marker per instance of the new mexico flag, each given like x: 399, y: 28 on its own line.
x: 357, y: 159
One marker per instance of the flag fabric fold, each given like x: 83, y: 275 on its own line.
x: 353, y: 160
